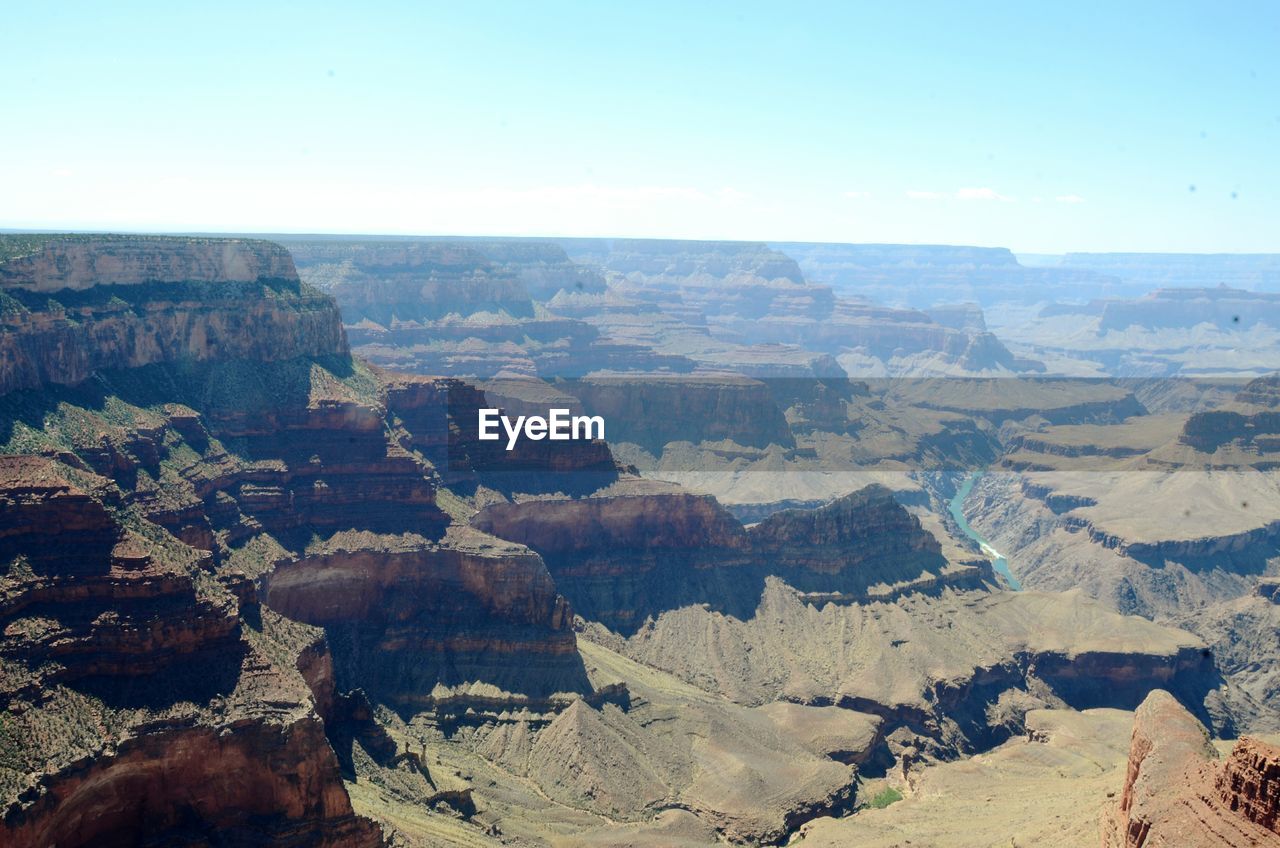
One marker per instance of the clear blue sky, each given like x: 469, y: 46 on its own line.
x: 1042, y: 127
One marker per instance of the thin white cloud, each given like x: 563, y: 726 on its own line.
x: 730, y: 194
x: 960, y: 194
x: 1069, y: 198
x: 857, y: 195
x: 61, y: 172
x: 981, y: 194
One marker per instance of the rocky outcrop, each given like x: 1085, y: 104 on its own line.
x: 420, y: 625
x: 1177, y: 793
x: 959, y: 316
x: 623, y: 557
x: 135, y: 707
x: 619, y: 557
x: 1249, y: 427
x: 221, y: 560
x: 253, y: 780
x: 86, y: 597
x: 845, y: 534
x: 87, y: 303
x: 1249, y: 783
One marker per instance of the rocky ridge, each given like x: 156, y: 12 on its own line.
x: 1177, y: 793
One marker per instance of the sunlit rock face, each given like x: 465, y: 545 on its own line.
x: 1177, y: 791
x: 72, y: 305
x: 189, y: 461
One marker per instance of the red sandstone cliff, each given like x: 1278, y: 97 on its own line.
x: 1177, y: 793
x: 110, y: 736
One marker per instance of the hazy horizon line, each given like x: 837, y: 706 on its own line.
x: 1017, y: 253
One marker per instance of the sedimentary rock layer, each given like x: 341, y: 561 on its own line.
x: 1176, y: 792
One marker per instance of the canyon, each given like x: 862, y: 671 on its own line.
x: 265, y: 579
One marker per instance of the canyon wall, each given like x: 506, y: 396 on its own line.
x: 1177, y: 792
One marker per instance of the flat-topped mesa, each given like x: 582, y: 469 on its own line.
x: 1222, y: 306
x: 1176, y: 792
x: 1261, y: 391
x: 706, y: 261
x: 55, y: 262
x: 924, y: 275
x: 1251, y: 271
x: 72, y: 305
x: 1251, y: 421
x: 542, y: 266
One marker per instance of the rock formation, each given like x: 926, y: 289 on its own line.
x: 1176, y: 792
x: 61, y: 324
x: 168, y: 491
x: 925, y: 275
x: 253, y: 588
x: 724, y: 297
x: 464, y: 307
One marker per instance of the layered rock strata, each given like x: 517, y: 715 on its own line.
x: 1176, y: 792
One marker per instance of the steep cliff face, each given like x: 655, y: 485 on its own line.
x: 636, y: 551
x: 419, y: 625
x: 847, y: 533
x: 159, y: 514
x: 84, y: 303
x: 439, y: 419
x: 619, y: 557
x: 1249, y: 783
x: 58, y: 263
x: 409, y: 281
x: 136, y: 705
x: 1177, y: 793
x: 1244, y: 432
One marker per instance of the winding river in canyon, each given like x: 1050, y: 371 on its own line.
x: 956, y: 507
